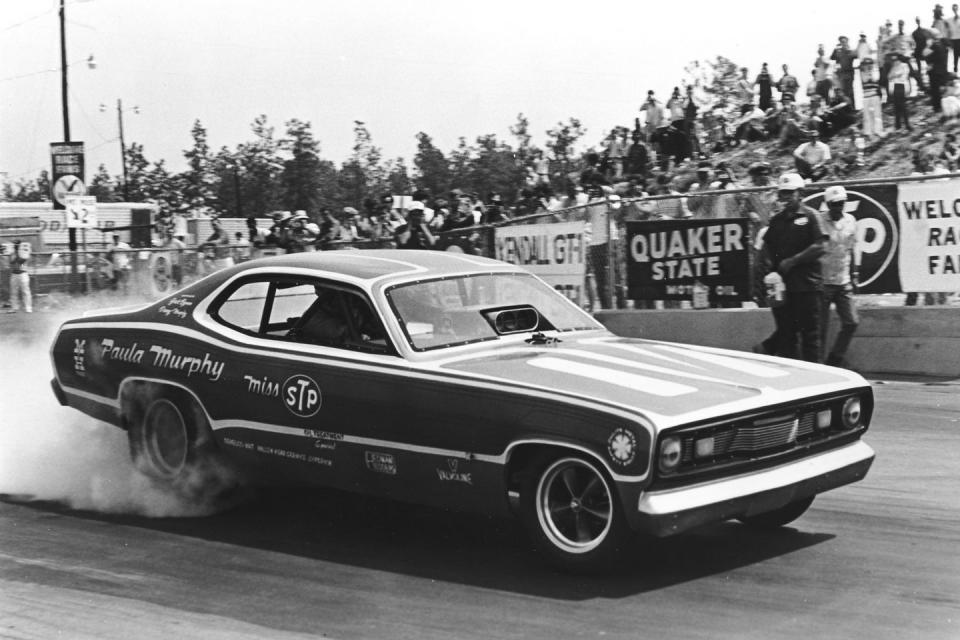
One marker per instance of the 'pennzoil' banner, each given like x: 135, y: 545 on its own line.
x: 666, y: 258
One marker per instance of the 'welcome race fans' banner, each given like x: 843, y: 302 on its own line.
x: 666, y: 258
x: 930, y: 235
x: 556, y: 252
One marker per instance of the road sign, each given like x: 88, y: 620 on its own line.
x: 66, y: 187
x: 81, y: 212
x: 68, y: 171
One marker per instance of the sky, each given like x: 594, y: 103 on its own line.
x: 447, y: 68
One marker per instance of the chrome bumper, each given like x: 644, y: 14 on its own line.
x: 665, y: 513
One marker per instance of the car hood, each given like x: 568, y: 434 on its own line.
x: 669, y: 383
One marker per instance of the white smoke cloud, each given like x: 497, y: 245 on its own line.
x: 55, y: 453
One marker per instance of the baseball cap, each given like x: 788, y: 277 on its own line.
x: 835, y: 194
x: 790, y: 182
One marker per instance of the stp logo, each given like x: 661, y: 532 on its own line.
x: 302, y: 396
x: 877, y: 232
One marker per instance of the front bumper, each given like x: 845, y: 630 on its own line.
x: 667, y: 512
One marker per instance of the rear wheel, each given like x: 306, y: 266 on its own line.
x: 571, y: 512
x: 778, y: 517
x: 172, y: 444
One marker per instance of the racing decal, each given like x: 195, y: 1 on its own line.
x: 622, y: 446
x: 453, y: 473
x: 380, y: 462
x: 294, y: 455
x: 263, y: 386
x: 80, y: 357
x: 178, y: 306
x: 301, y: 395
x: 162, y: 357
x: 239, y: 444
x: 326, y: 440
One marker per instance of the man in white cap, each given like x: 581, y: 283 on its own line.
x: 793, y: 245
x: 840, y: 270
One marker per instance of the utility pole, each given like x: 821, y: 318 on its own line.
x: 63, y: 72
x: 123, y: 150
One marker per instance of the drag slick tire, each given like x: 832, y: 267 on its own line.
x: 778, y: 517
x: 170, y: 439
x: 571, y: 512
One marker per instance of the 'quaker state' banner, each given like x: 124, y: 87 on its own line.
x: 930, y: 235
x: 555, y: 252
x: 665, y: 258
x: 878, y: 233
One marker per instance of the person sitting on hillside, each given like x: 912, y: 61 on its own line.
x: 813, y: 158
x: 838, y: 115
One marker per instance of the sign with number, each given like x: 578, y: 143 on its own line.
x: 81, y: 212
x: 68, y: 172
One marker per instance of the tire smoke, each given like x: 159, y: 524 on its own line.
x: 54, y: 453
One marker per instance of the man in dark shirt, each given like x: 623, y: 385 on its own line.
x: 415, y: 234
x: 793, y: 244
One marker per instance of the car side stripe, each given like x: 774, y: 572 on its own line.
x: 633, y: 381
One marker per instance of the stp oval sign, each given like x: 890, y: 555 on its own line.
x: 301, y: 395
x: 878, y: 234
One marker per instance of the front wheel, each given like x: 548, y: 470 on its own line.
x: 778, y: 517
x: 571, y: 512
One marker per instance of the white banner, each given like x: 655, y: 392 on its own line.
x: 555, y: 252
x: 929, y: 215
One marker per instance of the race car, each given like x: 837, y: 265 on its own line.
x: 466, y: 383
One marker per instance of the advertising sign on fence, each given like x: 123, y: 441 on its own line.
x: 670, y: 259
x: 555, y: 251
x: 878, y: 233
x: 930, y: 235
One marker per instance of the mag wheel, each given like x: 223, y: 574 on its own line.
x: 778, y: 517
x: 571, y: 512
x: 164, y: 440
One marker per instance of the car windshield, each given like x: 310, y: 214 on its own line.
x: 464, y: 309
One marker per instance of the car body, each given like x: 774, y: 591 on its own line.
x: 467, y: 383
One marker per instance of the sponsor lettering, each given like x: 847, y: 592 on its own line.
x: 239, y: 444
x: 167, y: 359
x: 301, y: 395
x: 262, y: 386
x: 80, y: 357
x: 110, y: 350
x: 322, y: 435
x: 178, y: 306
x: 679, y: 253
x: 544, y: 249
x: 380, y: 462
x: 453, y: 474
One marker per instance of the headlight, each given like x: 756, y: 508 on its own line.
x: 851, y: 413
x: 670, y: 453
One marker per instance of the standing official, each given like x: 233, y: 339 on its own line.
x: 840, y: 270
x: 20, y: 278
x: 793, y: 245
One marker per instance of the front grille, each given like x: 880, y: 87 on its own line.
x: 766, y: 434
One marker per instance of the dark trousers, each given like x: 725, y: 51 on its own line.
x: 842, y: 297
x: 900, y: 113
x: 798, y: 323
x: 599, y: 259
x: 955, y: 45
x: 918, y: 57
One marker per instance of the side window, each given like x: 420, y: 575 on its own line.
x: 243, y: 309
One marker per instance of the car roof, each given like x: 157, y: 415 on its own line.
x: 370, y: 264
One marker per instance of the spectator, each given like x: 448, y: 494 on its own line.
x: 844, y: 56
x: 278, y: 230
x: 638, y: 157
x: 787, y: 85
x: 744, y: 91
x: 591, y: 175
x: 461, y: 216
x: 821, y: 74
x: 175, y: 246
x: 792, y: 127
x: 702, y: 206
x: 920, y: 36
x: 669, y: 208
x: 951, y: 152
x: 598, y: 214
x: 851, y: 157
x: 354, y: 227
x: 938, y: 22
x: 840, y: 269
x: 690, y: 110
x: 812, y: 158
x: 241, y: 250
x: 119, y: 257
x: 653, y: 114
x: 298, y: 237
x: 838, y: 115
x: 863, y: 49
x: 764, y: 83
x: 872, y: 107
x: 495, y: 211
x: 20, y: 277
x: 541, y: 165
x: 614, y: 151
x: 953, y: 33
x: 936, y: 56
x: 750, y: 128
x: 792, y: 249
x: 441, y: 212
x: 950, y: 102
x: 415, y: 234
x: 899, y: 78
x: 675, y: 109
x: 812, y: 85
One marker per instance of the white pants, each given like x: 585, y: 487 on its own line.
x: 20, y: 284
x: 872, y: 117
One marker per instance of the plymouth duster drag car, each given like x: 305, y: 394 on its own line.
x: 466, y: 383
